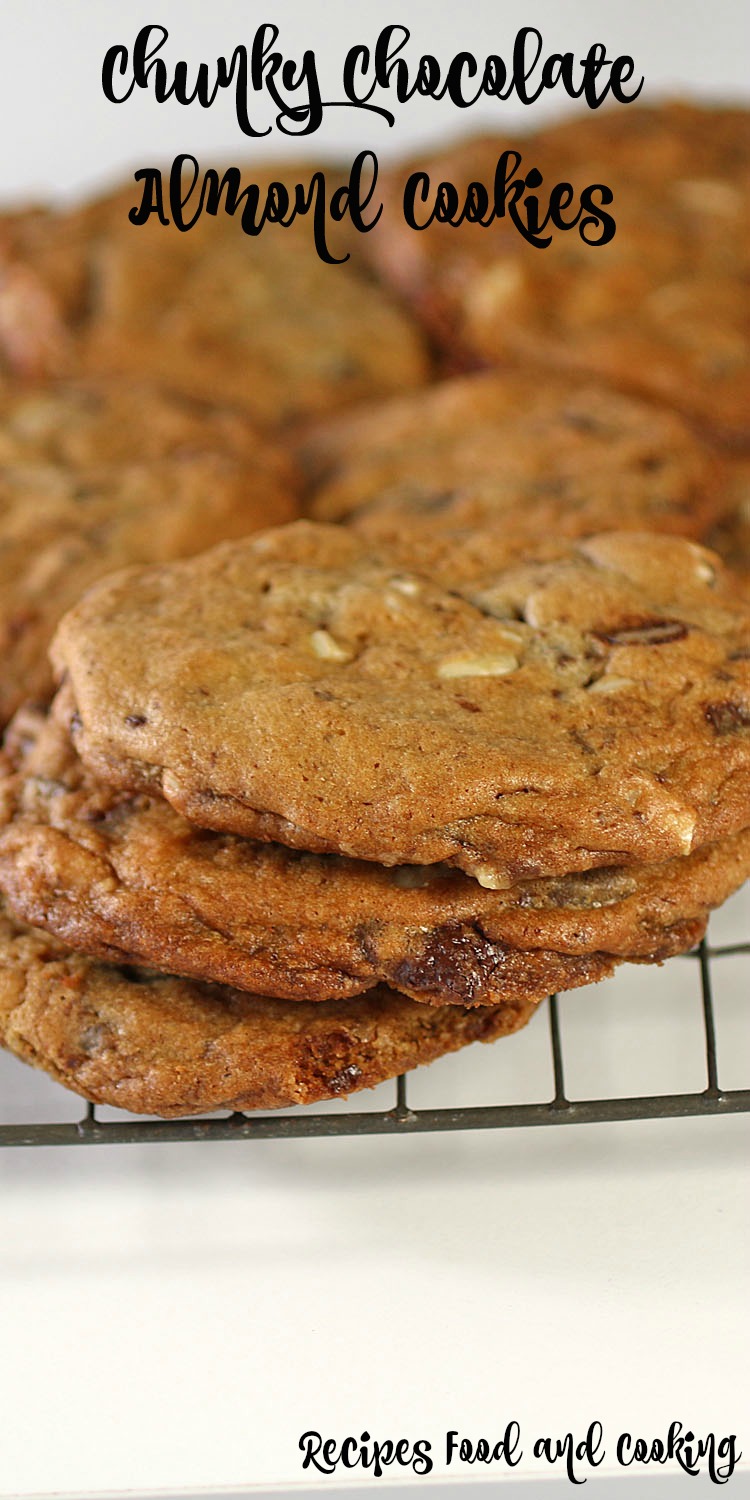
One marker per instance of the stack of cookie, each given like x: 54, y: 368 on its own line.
x: 286, y: 817
x: 293, y: 768
x: 149, y: 387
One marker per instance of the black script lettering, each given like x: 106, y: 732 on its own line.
x: 262, y: 69
x: 424, y: 204
x: 264, y: 66
x: 364, y: 1452
x: 356, y: 197
x: 388, y: 63
x: 462, y: 63
x: 685, y: 1449
x: 494, y: 77
x: 726, y: 1448
x: 596, y: 216
x: 422, y: 1463
x: 506, y: 1450
x: 152, y: 197
x: 293, y: 86
x: 523, y: 67
x: 358, y: 60
x: 311, y: 1444
x: 349, y: 1453
x: 144, y: 63
x: 589, y: 1450
x: 115, y: 59
x: 508, y: 186
x: 276, y: 204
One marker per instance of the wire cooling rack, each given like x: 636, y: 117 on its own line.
x: 403, y: 1120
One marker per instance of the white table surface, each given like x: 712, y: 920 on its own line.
x: 180, y: 1315
x: 174, y: 1317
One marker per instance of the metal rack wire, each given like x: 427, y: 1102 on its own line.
x: 402, y: 1120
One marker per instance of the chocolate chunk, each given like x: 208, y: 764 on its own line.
x: 456, y: 957
x: 727, y: 718
x: 648, y: 633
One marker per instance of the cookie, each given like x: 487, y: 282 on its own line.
x: 508, y: 450
x: 731, y: 535
x: 674, y: 139
x: 260, y: 323
x: 95, y: 476
x: 43, y: 288
x: 155, y: 1045
x: 588, y: 707
x: 660, y: 310
x: 123, y: 876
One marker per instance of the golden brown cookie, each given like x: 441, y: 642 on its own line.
x: 661, y: 310
x: 157, y: 1045
x: 508, y: 451
x: 121, y: 875
x: 674, y: 139
x: 265, y: 326
x: 731, y: 535
x: 256, y: 322
x: 587, y: 707
x: 95, y: 476
x: 43, y: 289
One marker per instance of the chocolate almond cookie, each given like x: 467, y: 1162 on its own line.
x: 158, y: 1045
x: 43, y: 287
x: 588, y: 707
x: 507, y: 450
x: 661, y: 309
x: 254, y: 321
x: 94, y: 476
x: 263, y: 325
x: 122, y: 875
x: 731, y: 535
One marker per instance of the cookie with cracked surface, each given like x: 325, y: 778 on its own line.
x: 661, y: 310
x: 94, y: 476
x: 506, y: 450
x: 259, y: 323
x: 589, y: 706
x: 268, y: 328
x: 159, y: 1045
x: 121, y: 875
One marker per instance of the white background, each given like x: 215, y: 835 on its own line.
x: 61, y: 134
x: 174, y: 1318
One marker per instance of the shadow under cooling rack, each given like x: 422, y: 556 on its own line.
x: 402, y: 1120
